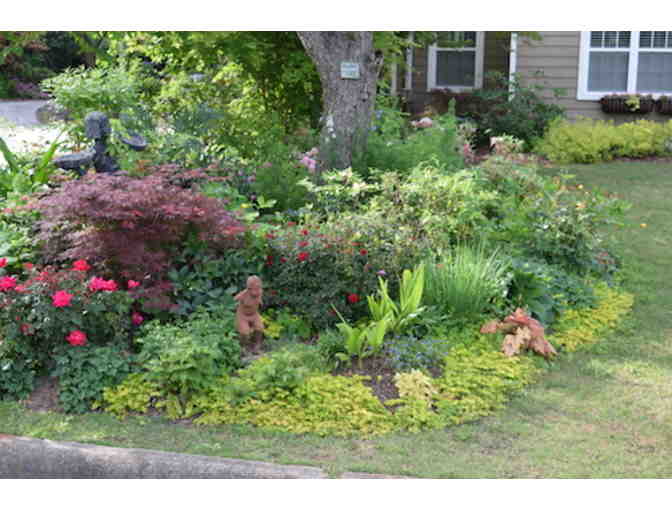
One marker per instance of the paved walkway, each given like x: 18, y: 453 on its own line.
x: 25, y: 457
x: 21, y: 113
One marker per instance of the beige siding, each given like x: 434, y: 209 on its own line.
x: 555, y: 61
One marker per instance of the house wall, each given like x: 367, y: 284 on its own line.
x: 495, y: 58
x: 553, y: 63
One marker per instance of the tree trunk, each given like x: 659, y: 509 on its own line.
x: 347, y: 102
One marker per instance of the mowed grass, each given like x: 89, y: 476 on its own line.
x: 604, y: 412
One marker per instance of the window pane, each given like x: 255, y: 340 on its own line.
x: 455, y: 68
x: 610, y: 39
x: 654, y: 72
x: 450, y: 39
x: 608, y: 72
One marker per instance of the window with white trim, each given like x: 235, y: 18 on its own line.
x: 612, y: 62
x: 456, y: 61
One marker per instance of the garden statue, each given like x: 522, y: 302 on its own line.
x: 248, y: 321
x: 97, y: 127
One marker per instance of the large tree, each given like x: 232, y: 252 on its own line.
x: 349, y: 66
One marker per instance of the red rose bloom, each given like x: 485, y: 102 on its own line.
x: 76, y: 337
x: 61, y: 299
x: 80, y: 265
x: 302, y: 256
x: 363, y: 252
x: 303, y: 244
x: 3, y: 262
x: 137, y: 319
x: 353, y: 298
x: 133, y: 284
x: 269, y: 260
x: 304, y: 232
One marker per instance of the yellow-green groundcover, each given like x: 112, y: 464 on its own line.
x: 476, y: 381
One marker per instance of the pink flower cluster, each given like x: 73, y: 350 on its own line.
x: 97, y: 284
x: 308, y: 160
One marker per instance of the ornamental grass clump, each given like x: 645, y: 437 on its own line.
x: 466, y: 281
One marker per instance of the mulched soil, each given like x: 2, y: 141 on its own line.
x: 45, y: 396
x: 381, y: 374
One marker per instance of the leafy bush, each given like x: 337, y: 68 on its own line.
x: 186, y: 359
x: 82, y: 90
x: 520, y: 111
x: 280, y: 371
x: 129, y: 227
x: 435, y: 207
x: 548, y: 219
x: 391, y: 148
x: 591, y: 141
x: 85, y: 371
x: 311, y: 268
x: 17, y: 376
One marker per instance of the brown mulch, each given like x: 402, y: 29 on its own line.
x: 45, y: 396
x: 381, y: 374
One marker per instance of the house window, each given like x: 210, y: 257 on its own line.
x: 456, y: 61
x: 612, y: 62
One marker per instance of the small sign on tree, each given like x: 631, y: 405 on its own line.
x: 350, y: 70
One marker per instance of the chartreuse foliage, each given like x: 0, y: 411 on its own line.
x: 290, y: 389
x: 577, y: 328
x: 591, y: 141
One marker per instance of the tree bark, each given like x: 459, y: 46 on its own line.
x: 347, y: 104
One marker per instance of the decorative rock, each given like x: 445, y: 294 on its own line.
x: 51, y: 112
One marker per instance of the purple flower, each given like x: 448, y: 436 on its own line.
x: 381, y: 273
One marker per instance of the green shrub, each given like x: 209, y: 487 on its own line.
x: 17, y: 376
x: 85, y: 371
x: 433, y: 206
x: 515, y: 109
x: 591, y: 141
x: 391, y: 148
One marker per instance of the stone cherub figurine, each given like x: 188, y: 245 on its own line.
x: 248, y: 321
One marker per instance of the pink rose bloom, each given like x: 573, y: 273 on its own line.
x: 61, y: 299
x: 7, y: 283
x: 76, y: 337
x: 97, y: 283
x: 133, y: 284
x: 3, y: 262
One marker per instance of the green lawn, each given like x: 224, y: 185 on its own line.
x: 600, y: 413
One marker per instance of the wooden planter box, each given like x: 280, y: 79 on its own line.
x: 664, y: 105
x: 618, y: 103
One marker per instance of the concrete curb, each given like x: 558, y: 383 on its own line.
x: 24, y: 457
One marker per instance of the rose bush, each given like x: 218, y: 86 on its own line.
x: 41, y: 310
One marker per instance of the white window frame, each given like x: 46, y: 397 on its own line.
x: 478, y: 51
x: 583, y: 94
